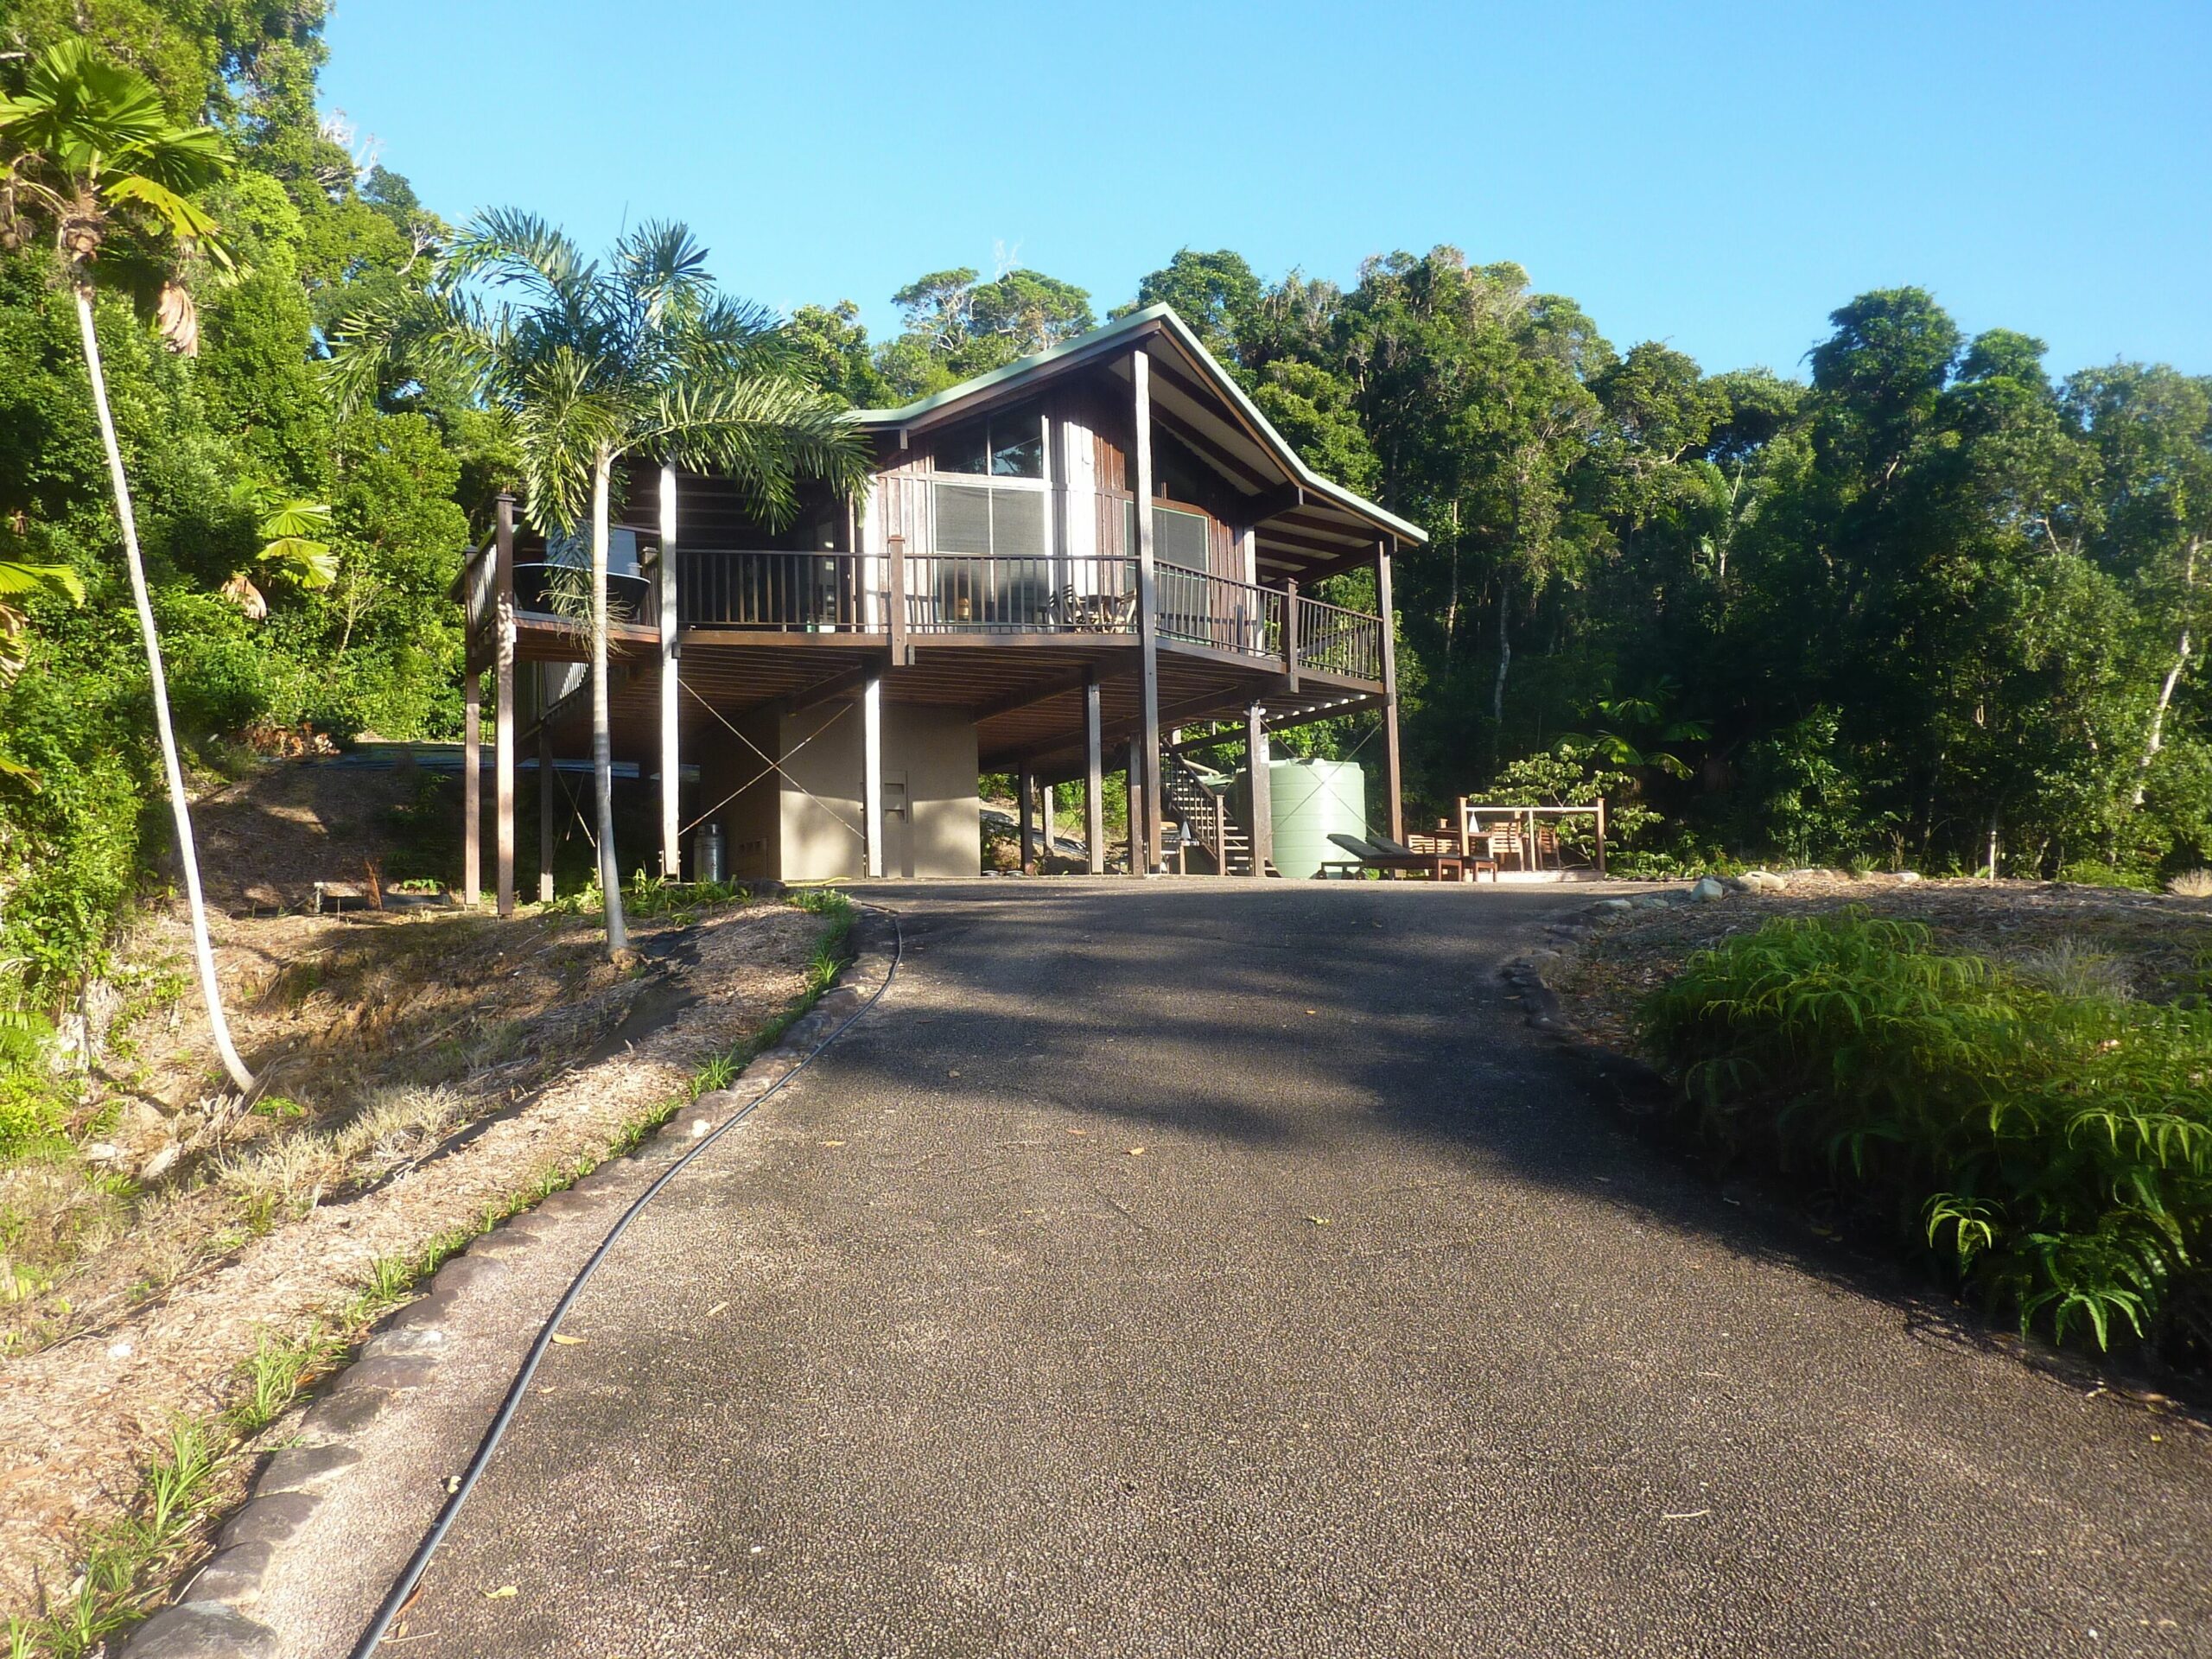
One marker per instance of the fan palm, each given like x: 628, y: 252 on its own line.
x: 87, y: 153
x: 591, y: 362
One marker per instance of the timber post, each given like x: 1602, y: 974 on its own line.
x: 872, y: 770
x: 672, y: 760
x: 546, y: 786
x: 895, y: 623
x: 1136, y: 778
x: 1094, y: 783
x: 1262, y: 790
x: 1148, y: 614
x: 1290, y: 630
x: 1393, y: 761
x: 1025, y: 791
x: 504, y: 735
x: 471, y: 788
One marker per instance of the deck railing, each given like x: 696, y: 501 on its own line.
x: 783, y: 592
x: 1207, y: 610
x: 1339, y: 641
x: 942, y: 593
x: 546, y: 587
x: 989, y: 593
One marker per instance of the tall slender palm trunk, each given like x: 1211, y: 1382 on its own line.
x: 187, y: 855
x: 602, y: 745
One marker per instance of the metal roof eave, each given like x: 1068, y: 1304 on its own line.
x: 1153, y: 319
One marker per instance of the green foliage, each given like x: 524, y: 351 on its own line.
x: 278, y: 1369
x: 2053, y: 1150
x: 958, y: 325
x: 234, y: 452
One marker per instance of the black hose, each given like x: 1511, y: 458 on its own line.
x: 403, y: 1588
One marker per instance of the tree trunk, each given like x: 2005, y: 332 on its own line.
x: 1452, y: 604
x: 1505, y: 663
x: 203, y: 951
x: 2157, y: 739
x: 2173, y: 677
x: 602, y: 753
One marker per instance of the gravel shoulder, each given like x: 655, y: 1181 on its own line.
x: 79, y: 1412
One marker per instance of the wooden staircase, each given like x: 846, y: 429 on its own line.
x: 1203, y: 810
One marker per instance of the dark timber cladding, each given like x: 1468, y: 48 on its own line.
x: 1071, y: 556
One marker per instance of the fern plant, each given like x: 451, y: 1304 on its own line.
x: 2054, y: 1149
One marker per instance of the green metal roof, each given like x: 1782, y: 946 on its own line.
x: 1153, y: 319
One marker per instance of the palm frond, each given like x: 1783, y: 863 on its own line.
x: 20, y: 578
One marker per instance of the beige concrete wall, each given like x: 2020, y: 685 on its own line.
x: 935, y: 748
x: 752, y: 822
x: 929, y: 762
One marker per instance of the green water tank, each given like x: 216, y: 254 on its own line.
x: 1310, y: 800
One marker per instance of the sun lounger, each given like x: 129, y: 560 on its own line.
x: 1388, y: 857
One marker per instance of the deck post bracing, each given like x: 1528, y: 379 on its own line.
x: 1094, y: 790
x: 1392, y: 767
x: 1025, y: 795
x: 672, y: 767
x: 872, y: 770
x: 504, y: 735
x: 546, y: 787
x: 1262, y: 787
x: 1148, y: 614
x: 471, y: 788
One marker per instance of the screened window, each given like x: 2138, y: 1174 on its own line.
x: 1004, y: 446
x: 1178, y: 537
x: 977, y: 519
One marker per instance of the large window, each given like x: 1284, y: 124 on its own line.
x: 979, y: 518
x: 1004, y: 446
x: 990, y: 493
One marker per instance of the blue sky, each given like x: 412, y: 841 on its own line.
x: 1717, y: 176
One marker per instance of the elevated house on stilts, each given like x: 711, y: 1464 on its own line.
x: 1054, y: 567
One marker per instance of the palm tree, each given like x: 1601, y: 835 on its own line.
x: 593, y: 362
x: 88, y: 151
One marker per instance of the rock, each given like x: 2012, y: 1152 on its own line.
x: 388, y: 1371
x: 341, y: 1417
x: 1906, y: 878
x: 1763, y: 881
x: 233, y: 1575
x: 466, y: 1271
x: 200, y: 1629
x: 270, y: 1520
x: 428, y: 1341
x: 425, y: 1314
x: 1615, y: 903
x: 307, y: 1468
x: 1709, y: 890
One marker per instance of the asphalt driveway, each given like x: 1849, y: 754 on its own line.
x: 1219, y: 1269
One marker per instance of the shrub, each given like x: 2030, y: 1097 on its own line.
x: 2090, y: 873
x: 2053, y: 1150
x: 2191, y: 884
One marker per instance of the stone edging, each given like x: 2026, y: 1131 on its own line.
x: 1546, y: 1013
x: 208, y: 1620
